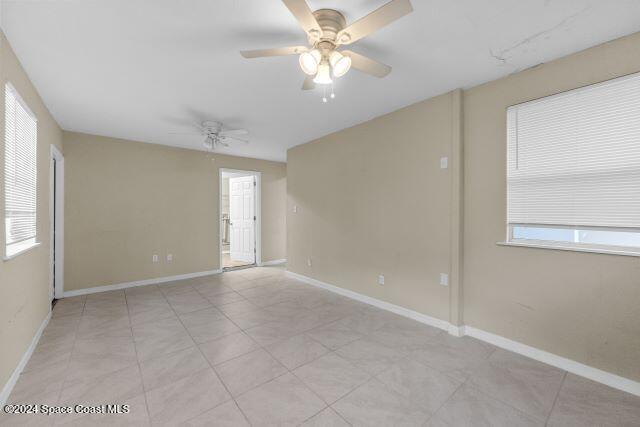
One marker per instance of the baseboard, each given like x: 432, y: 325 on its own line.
x: 273, y: 262
x: 422, y: 318
x: 145, y: 282
x: 568, y: 365
x: 8, y: 387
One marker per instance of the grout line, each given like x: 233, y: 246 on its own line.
x: 135, y: 349
x: 564, y: 378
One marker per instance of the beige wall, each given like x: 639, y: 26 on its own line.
x: 373, y: 200
x: 582, y: 306
x: 125, y: 201
x: 24, y: 280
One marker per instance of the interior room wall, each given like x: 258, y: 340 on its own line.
x: 372, y: 200
x: 125, y: 201
x: 582, y: 306
x: 24, y: 280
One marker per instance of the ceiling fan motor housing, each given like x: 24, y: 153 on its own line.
x: 331, y: 21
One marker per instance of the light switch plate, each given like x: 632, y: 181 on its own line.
x: 381, y: 280
x: 444, y: 162
x: 169, y: 257
x: 154, y: 258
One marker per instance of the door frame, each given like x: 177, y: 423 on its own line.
x: 56, y: 291
x: 257, y: 210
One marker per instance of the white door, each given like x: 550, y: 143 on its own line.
x: 242, y: 219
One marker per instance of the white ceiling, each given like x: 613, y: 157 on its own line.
x: 140, y: 69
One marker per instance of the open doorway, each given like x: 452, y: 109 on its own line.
x: 56, y: 221
x: 239, y: 218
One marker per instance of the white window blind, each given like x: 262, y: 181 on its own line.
x: 19, y: 173
x: 574, y: 158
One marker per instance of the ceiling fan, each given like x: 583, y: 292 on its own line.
x: 215, y: 135
x: 327, y: 30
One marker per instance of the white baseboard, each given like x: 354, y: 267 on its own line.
x: 273, y: 262
x: 568, y: 365
x: 8, y: 387
x: 422, y: 318
x: 145, y: 282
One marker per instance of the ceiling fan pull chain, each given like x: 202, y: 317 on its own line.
x: 324, y: 93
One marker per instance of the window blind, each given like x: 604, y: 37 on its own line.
x: 574, y: 158
x: 19, y: 171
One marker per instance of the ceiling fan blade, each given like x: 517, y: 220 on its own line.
x: 377, y: 19
x: 278, y: 51
x: 186, y: 133
x: 233, y: 132
x: 301, y: 11
x: 367, y: 65
x: 233, y: 138
x: 308, y: 83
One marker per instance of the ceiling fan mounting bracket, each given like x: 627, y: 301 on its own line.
x: 331, y: 21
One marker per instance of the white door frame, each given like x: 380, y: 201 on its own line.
x: 56, y: 156
x: 258, y: 211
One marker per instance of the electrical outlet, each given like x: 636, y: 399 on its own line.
x: 309, y: 262
x: 444, y: 279
x: 155, y: 258
x: 444, y: 162
x: 169, y: 257
x: 381, y: 280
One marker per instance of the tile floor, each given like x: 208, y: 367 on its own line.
x: 252, y: 347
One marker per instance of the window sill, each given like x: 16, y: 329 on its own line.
x: 561, y: 247
x: 21, y: 251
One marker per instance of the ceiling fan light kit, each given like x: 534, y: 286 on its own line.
x: 327, y: 30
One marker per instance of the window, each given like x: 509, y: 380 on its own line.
x: 573, y: 172
x: 19, y: 174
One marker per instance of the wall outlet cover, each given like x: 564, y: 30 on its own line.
x: 381, y: 280
x: 444, y: 162
x: 169, y: 257
x: 154, y: 258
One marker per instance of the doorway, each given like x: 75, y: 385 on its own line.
x: 239, y: 218
x: 56, y: 221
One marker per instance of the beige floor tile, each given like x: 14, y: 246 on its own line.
x: 41, y: 386
x: 219, y: 299
x: 92, y: 326
x: 523, y: 383
x: 180, y: 400
x: 164, y: 336
x: 96, y: 357
x: 148, y: 311
x: 225, y: 415
x: 470, y: 408
x: 455, y: 356
x: 365, y: 323
x: 187, y: 302
x: 331, y: 377
x: 167, y: 369
x: 270, y: 333
x: 142, y: 290
x: 371, y: 355
x: 115, y: 387
x: 207, y: 325
x: 424, y: 386
x: 408, y: 336
x: 582, y: 402
x: 228, y: 347
x: 175, y: 288
x: 239, y: 307
x: 69, y: 306
x: 334, y: 335
x: 297, y: 351
x: 248, y: 371
x: 252, y: 318
x: 326, y: 418
x: 374, y: 404
x: 284, y: 401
